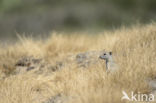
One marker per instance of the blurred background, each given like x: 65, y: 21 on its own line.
x: 36, y: 17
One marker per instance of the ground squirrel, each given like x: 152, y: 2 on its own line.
x: 110, y: 64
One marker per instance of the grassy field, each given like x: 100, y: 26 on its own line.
x: 134, y: 49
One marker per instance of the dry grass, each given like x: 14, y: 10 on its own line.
x: 134, y: 49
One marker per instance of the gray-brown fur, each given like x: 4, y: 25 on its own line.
x: 110, y: 64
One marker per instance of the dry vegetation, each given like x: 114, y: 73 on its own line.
x: 134, y: 49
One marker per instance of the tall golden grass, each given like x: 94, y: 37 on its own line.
x: 134, y: 49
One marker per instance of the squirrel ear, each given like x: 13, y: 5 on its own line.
x: 110, y: 53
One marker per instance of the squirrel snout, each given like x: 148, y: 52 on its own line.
x: 101, y: 57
